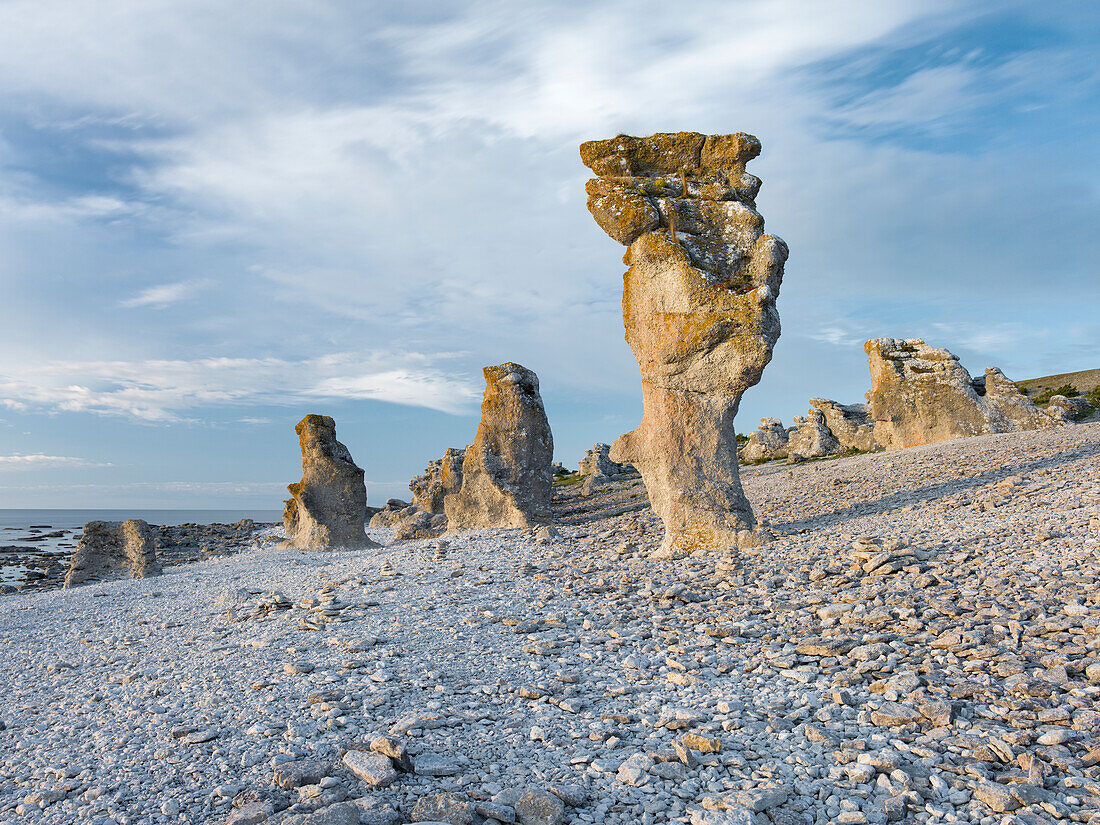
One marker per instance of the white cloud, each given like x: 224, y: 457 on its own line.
x: 28, y: 461
x: 164, y: 295
x: 163, y: 391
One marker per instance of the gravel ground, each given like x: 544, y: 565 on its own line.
x: 916, y: 642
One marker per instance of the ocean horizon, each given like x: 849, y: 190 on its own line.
x: 58, y: 518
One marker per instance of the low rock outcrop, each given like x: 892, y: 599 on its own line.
x: 849, y: 424
x: 506, y: 472
x: 113, y: 550
x: 699, y: 314
x: 1068, y: 410
x: 439, y: 479
x: 597, y: 461
x: 1009, y: 409
x: 811, y: 438
x: 766, y: 442
x: 328, y: 507
x: 415, y: 523
x: 921, y: 395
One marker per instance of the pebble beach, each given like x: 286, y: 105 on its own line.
x: 915, y: 640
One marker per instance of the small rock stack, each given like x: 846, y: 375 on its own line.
x: 874, y: 557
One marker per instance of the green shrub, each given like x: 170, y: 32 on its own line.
x: 1093, y: 396
x: 1068, y: 390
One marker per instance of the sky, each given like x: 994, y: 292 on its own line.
x: 218, y: 217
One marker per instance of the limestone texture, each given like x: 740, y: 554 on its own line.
x: 506, y: 473
x: 699, y: 313
x: 113, y: 550
x: 766, y: 442
x: 811, y: 438
x: 597, y: 461
x: 327, y: 509
x: 440, y: 478
x: 922, y: 395
x: 849, y: 424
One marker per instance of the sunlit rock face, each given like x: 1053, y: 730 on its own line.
x: 849, y: 424
x: 113, y: 550
x: 327, y: 509
x: 440, y: 478
x: 699, y: 313
x: 506, y: 473
x: 921, y: 394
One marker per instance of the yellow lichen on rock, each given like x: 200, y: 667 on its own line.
x: 699, y: 315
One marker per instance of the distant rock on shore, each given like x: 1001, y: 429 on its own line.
x: 921, y: 395
x: 328, y: 507
x: 113, y: 550
x: 506, y: 472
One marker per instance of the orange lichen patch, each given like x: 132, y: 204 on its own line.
x: 665, y: 153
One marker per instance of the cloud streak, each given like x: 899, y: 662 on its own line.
x: 35, y: 461
x: 161, y: 391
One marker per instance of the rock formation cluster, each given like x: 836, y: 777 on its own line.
x: 327, y: 509
x: 849, y: 424
x: 921, y: 395
x: 699, y: 314
x: 811, y: 437
x: 768, y: 441
x: 440, y: 478
x: 599, y: 468
x: 113, y: 550
x: 506, y: 477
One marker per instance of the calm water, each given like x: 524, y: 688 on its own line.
x: 75, y: 519
x: 22, y: 524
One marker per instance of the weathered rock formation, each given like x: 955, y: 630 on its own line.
x: 1008, y: 408
x: 1068, y: 410
x: 921, y: 395
x: 113, y: 550
x: 597, y: 461
x: 439, y: 479
x: 328, y: 507
x: 506, y: 475
x: 849, y: 424
x: 415, y: 523
x: 766, y: 442
x: 700, y: 317
x: 811, y: 438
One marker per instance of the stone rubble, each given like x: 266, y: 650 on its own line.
x: 917, y: 640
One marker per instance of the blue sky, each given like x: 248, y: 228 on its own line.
x: 217, y: 217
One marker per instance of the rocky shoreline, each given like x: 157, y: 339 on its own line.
x: 915, y: 640
x: 175, y: 544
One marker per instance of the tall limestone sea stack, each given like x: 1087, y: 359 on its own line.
x: 700, y: 317
x: 506, y: 475
x: 327, y: 509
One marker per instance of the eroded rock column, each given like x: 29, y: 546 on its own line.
x: 327, y: 509
x: 506, y: 473
x: 113, y: 550
x: 699, y: 313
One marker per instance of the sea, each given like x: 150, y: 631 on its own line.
x: 57, y: 531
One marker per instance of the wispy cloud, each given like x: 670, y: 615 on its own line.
x: 28, y: 461
x: 163, y: 295
x: 164, y: 391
